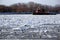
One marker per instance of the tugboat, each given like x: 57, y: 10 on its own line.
x: 40, y: 11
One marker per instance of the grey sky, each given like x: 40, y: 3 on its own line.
x: 46, y: 2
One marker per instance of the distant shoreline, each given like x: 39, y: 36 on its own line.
x: 27, y: 13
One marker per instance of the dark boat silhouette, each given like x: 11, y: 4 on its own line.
x: 41, y: 11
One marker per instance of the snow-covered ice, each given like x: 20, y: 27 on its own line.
x: 20, y: 20
x: 27, y: 24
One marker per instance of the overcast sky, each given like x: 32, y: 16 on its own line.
x: 46, y: 2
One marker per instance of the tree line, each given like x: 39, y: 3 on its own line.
x: 28, y: 7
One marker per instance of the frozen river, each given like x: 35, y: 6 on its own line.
x: 14, y: 20
x: 17, y: 21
